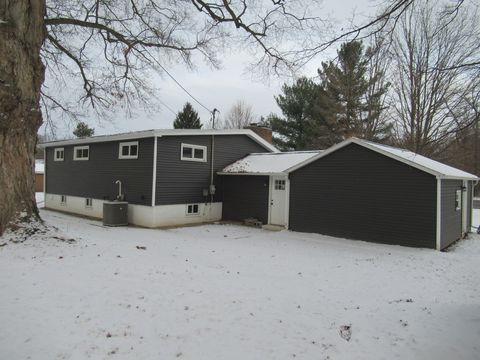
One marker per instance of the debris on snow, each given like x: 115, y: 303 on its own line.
x: 346, y: 332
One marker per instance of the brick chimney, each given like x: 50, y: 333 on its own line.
x: 264, y: 132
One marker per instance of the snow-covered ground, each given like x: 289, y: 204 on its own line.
x: 231, y: 292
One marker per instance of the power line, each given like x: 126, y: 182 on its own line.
x: 168, y: 107
x: 180, y: 85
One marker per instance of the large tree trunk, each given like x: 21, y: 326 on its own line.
x: 21, y: 75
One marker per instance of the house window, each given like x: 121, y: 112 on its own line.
x: 192, y: 209
x: 458, y: 200
x: 279, y: 184
x: 81, y: 152
x: 128, y: 150
x: 88, y: 202
x: 63, y: 200
x: 59, y: 154
x: 194, y: 153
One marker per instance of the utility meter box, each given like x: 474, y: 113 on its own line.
x: 115, y: 213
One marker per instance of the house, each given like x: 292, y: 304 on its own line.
x: 39, y: 175
x: 168, y: 177
x: 357, y: 190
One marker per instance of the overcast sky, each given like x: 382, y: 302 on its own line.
x: 221, y: 88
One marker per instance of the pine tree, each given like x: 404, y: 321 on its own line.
x: 83, y: 130
x: 187, y: 118
x: 298, y: 101
x: 354, y: 86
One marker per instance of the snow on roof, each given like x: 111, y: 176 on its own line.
x: 160, y: 133
x: 420, y: 162
x: 39, y: 167
x: 268, y: 163
x: 423, y: 162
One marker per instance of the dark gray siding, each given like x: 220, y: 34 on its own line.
x: 357, y: 193
x: 469, y: 204
x: 96, y: 177
x: 451, y: 219
x: 180, y: 182
x: 245, y: 197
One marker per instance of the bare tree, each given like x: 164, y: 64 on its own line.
x: 239, y: 116
x: 463, y: 151
x: 426, y: 97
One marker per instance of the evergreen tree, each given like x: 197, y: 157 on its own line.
x: 187, y: 118
x: 294, y: 131
x: 355, y: 87
x: 83, y: 130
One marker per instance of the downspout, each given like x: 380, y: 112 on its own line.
x: 439, y: 214
x: 154, y: 174
x: 211, y: 188
x: 473, y: 185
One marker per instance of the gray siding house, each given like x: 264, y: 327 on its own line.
x: 168, y: 177
x: 357, y: 190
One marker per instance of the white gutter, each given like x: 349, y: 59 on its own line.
x: 253, y: 174
x: 160, y: 133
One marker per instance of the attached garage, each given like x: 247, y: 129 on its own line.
x: 366, y: 191
x: 356, y: 190
x: 257, y: 186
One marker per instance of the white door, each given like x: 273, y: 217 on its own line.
x: 278, y: 185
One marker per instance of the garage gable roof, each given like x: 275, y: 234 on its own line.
x: 436, y: 168
x: 268, y: 163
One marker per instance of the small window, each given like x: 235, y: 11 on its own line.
x: 458, y: 200
x: 81, y: 152
x: 279, y: 184
x: 59, y: 154
x: 194, y: 153
x: 63, y: 200
x: 192, y: 209
x: 128, y: 150
x: 88, y: 202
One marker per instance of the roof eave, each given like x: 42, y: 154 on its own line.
x: 160, y: 133
x: 252, y: 173
x: 447, y: 177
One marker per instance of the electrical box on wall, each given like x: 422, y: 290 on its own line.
x: 212, y: 189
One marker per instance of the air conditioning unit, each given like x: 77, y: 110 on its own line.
x: 115, y: 213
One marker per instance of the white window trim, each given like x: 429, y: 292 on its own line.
x: 130, y: 143
x: 458, y: 200
x: 279, y: 184
x: 80, y: 148
x: 204, y: 148
x: 193, y: 213
x: 55, y: 158
x: 62, y: 198
x: 91, y: 203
